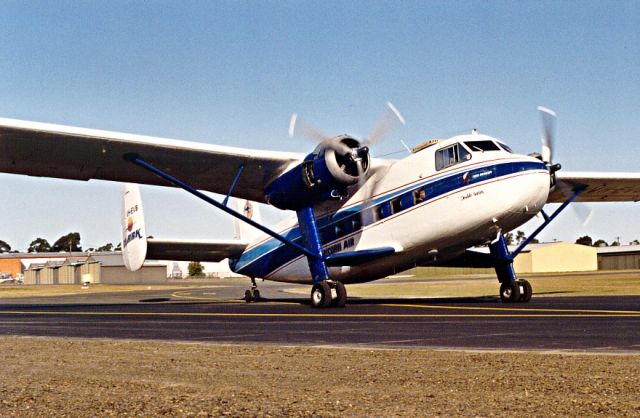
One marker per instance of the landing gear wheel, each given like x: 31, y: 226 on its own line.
x: 509, y: 293
x: 525, y: 291
x: 251, y: 295
x: 341, y: 295
x: 321, y: 295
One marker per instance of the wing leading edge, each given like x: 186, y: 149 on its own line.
x: 46, y: 150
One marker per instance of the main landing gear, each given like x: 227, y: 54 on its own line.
x: 519, y: 291
x: 328, y: 293
x: 253, y: 294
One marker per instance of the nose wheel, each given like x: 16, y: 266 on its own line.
x: 326, y: 294
x: 518, y: 291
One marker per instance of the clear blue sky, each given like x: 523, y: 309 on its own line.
x: 232, y: 72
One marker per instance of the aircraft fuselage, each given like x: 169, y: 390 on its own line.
x: 430, y: 207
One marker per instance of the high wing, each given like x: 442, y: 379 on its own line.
x: 46, y: 150
x: 600, y: 187
x: 193, y: 250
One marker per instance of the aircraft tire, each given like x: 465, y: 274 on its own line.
x: 341, y: 293
x: 528, y: 291
x: 256, y: 294
x: 247, y: 296
x: 321, y: 295
x: 509, y: 293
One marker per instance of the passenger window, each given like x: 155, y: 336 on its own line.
x: 378, y: 213
x: 339, y: 231
x: 396, y: 205
x: 419, y: 196
x: 356, y: 223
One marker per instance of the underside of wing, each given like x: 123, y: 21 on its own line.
x: 193, y: 250
x: 599, y: 187
x: 45, y: 150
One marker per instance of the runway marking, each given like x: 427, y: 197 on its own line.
x: 475, y: 308
x: 321, y: 315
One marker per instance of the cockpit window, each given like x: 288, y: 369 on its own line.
x: 505, y: 147
x: 482, y: 146
x: 446, y: 157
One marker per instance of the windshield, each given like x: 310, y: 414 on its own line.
x: 482, y: 145
x: 505, y: 147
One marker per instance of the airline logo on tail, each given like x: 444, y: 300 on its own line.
x: 130, y: 222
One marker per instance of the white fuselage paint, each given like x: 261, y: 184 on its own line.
x: 439, y: 228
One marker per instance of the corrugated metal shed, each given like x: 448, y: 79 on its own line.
x: 622, y: 257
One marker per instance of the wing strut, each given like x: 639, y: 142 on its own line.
x: 137, y: 160
x: 233, y: 184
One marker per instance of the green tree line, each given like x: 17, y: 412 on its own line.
x: 69, y: 242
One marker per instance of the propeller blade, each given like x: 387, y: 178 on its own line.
x: 366, y: 216
x: 581, y: 211
x: 548, y: 128
x: 298, y: 127
x: 386, y: 123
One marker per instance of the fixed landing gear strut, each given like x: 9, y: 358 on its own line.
x: 325, y: 292
x: 253, y: 294
x: 512, y: 289
x: 328, y: 293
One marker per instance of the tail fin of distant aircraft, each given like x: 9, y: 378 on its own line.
x: 244, y: 231
x: 134, y: 238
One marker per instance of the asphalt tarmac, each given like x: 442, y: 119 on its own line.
x: 217, y: 314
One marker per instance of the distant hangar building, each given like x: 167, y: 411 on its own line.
x: 77, y: 268
x: 555, y: 257
x: 621, y: 257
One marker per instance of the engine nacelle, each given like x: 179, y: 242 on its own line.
x: 324, y: 174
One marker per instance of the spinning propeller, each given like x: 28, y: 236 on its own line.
x: 582, y: 211
x: 359, y: 154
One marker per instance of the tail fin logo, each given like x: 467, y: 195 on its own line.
x: 129, y: 223
x: 248, y: 209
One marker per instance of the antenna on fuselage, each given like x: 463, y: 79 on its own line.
x: 474, y: 131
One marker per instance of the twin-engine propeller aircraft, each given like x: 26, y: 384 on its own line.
x: 358, y: 218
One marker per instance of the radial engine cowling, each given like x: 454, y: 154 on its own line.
x: 324, y: 174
